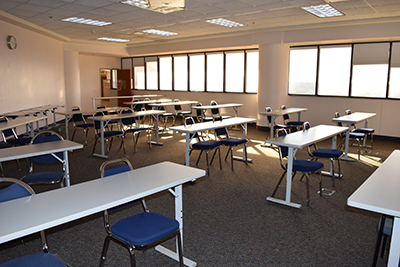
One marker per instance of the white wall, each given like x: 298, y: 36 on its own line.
x: 90, y: 76
x: 31, y: 75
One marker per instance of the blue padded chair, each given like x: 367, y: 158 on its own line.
x: 79, y: 122
x: 141, y: 231
x: 132, y: 125
x: 108, y: 135
x: 105, y: 112
x: 276, y: 126
x: 10, y: 136
x: 287, y: 121
x: 48, y: 177
x: 325, y: 153
x: 204, y: 146
x: 200, y: 114
x: 366, y: 131
x: 225, y: 140
x: 215, y: 111
x: 354, y: 136
x: 385, y: 226
x: 305, y: 167
x: 164, y: 117
x: 16, y: 190
x: 179, y: 112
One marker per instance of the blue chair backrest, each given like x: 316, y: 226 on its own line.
x: 46, y: 159
x: 8, y: 132
x: 97, y: 124
x: 221, y: 131
x: 127, y: 121
x: 284, y: 150
x: 268, y: 109
x: 13, y: 191
x: 116, y: 170
x: 285, y: 116
x: 177, y: 107
x: 214, y: 111
x: 337, y: 116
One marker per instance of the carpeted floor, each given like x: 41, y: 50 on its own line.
x: 227, y: 219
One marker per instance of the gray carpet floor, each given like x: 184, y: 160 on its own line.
x: 227, y: 219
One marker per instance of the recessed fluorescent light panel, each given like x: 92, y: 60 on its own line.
x: 158, y: 32
x: 162, y: 6
x: 87, y: 21
x: 225, y: 22
x: 113, y: 39
x: 323, y: 11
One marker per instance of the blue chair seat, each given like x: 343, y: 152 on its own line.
x: 327, y: 153
x: 36, y: 260
x: 184, y: 112
x: 306, y: 166
x: 111, y: 133
x: 364, y: 130
x: 282, y: 126
x: 139, y: 129
x: 232, y: 141
x: 144, y: 228
x: 354, y: 135
x: 84, y: 125
x: 295, y: 123
x: 5, y: 145
x: 43, y: 177
x: 166, y: 115
x: 206, y: 145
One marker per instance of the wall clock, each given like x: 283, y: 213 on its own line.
x: 11, y: 42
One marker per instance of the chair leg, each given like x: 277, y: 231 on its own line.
x: 95, y: 142
x: 73, y: 134
x: 198, y: 159
x: 230, y: 148
x: 208, y: 166
x: 333, y: 171
x: 104, y: 252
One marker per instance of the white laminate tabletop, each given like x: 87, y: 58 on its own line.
x: 218, y: 106
x: 204, y: 126
x: 88, y: 111
x: 148, y: 102
x: 381, y: 191
x: 189, y: 102
x: 24, y: 216
x: 301, y: 139
x: 126, y: 115
x: 283, y: 112
x: 33, y: 150
x: 19, y: 122
x: 354, y: 117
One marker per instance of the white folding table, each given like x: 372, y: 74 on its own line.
x: 20, y: 121
x: 27, y: 215
x: 206, y: 126
x: 274, y: 114
x: 349, y: 120
x: 105, y: 119
x: 70, y: 113
x: 233, y: 105
x: 380, y: 193
x: 299, y: 140
x: 122, y: 97
x: 40, y: 149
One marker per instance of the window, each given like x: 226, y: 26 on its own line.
x: 370, y: 70
x: 215, y: 72
x: 394, y: 82
x: 197, y: 73
x: 151, y: 73
x: 334, y: 70
x: 165, y: 73
x: 138, y: 73
x: 234, y: 79
x: 180, y: 73
x: 303, y: 70
x: 252, y: 72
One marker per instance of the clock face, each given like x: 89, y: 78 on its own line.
x: 11, y: 42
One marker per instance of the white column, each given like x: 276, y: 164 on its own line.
x: 273, y: 79
x: 72, y: 79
